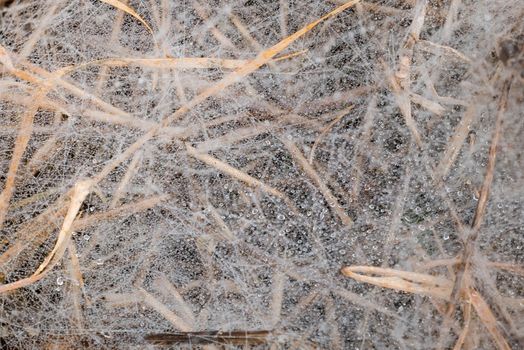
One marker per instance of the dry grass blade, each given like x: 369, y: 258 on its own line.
x: 77, y: 287
x: 324, y: 132
x: 400, y: 82
x: 129, y: 10
x: 224, y: 232
x: 431, y: 106
x: 165, y: 287
x: 313, y: 175
x: 454, y: 146
x: 130, y: 172
x: 488, y: 319
x: 514, y: 268
x: 406, y: 281
x: 167, y: 63
x: 490, y: 170
x: 278, y: 285
x: 79, y: 193
x: 5, y: 59
x: 471, y: 237
x: 231, y: 171
x: 465, y: 328
x: 431, y: 47
x: 123, y: 210
x: 22, y: 140
x: 169, y: 315
x: 176, y: 63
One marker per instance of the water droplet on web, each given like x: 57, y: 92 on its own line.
x: 59, y: 280
x: 281, y: 217
x: 99, y: 262
x: 86, y: 237
x: 445, y: 236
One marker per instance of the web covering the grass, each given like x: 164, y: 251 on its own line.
x: 235, y: 156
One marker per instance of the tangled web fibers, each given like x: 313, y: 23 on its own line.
x: 342, y: 175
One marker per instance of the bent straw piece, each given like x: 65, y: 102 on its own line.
x: 401, y: 285
x: 313, y: 175
x: 228, y: 169
x: 488, y: 319
x: 129, y: 10
x: 79, y: 193
x: 35, y: 230
x: 325, y: 131
x: 163, y: 310
x: 402, y: 280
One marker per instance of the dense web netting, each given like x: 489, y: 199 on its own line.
x: 272, y: 174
